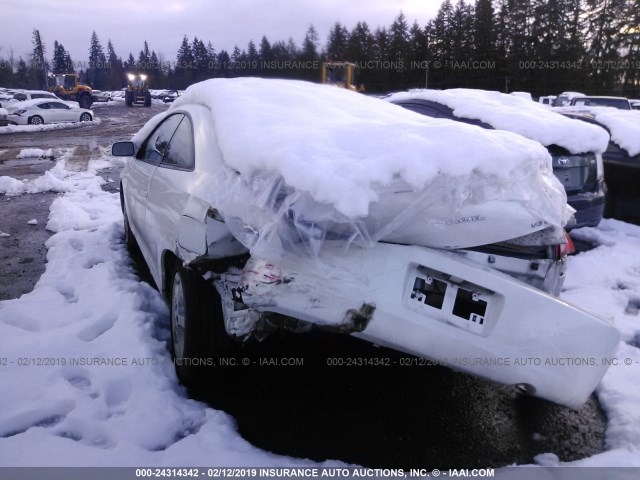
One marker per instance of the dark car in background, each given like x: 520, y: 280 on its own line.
x: 622, y: 174
x: 578, y: 173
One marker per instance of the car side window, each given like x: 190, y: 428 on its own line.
x: 58, y: 105
x: 156, y: 145
x: 181, y: 150
x: 422, y: 109
x: 45, y: 106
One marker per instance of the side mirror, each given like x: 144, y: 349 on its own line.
x: 123, y: 149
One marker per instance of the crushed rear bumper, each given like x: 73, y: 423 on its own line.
x: 438, y: 305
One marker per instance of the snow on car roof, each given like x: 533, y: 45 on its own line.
x: 339, y: 146
x: 34, y: 91
x: 34, y: 103
x: 624, y: 125
x: 516, y: 114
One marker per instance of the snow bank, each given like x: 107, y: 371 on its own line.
x: 51, y: 126
x: 606, y: 280
x: 624, y: 125
x: 34, y: 153
x: 89, y: 306
x: 58, y: 179
x: 516, y: 114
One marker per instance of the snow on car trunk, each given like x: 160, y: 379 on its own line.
x: 319, y: 161
x: 516, y: 114
x: 624, y: 125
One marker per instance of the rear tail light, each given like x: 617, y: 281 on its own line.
x: 566, y: 248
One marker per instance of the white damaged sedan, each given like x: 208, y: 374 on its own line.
x: 47, y: 110
x: 268, y: 204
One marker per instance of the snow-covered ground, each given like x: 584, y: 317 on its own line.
x: 89, y: 307
x: 52, y: 126
x: 86, y: 378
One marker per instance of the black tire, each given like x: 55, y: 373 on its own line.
x: 147, y: 100
x: 85, y: 117
x: 129, y: 239
x: 36, y: 120
x: 128, y: 98
x: 198, y: 336
x: 85, y: 101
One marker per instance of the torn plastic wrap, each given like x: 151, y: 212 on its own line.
x: 274, y: 220
x: 302, y: 169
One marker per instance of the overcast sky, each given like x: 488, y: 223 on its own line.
x: 163, y: 23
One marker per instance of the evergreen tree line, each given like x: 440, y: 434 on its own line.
x: 540, y: 46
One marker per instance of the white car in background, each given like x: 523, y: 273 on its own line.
x: 25, y: 95
x: 100, y: 96
x: 565, y: 98
x: 5, y: 99
x: 261, y: 205
x: 43, y: 111
x: 547, y: 100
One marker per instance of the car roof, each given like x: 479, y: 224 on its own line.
x: 572, y: 94
x: 31, y: 92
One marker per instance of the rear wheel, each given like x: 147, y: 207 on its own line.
x: 147, y: 100
x: 36, y: 120
x: 85, y: 117
x: 128, y: 98
x: 129, y: 238
x: 198, y: 336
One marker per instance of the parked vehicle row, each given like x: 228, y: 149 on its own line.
x: 264, y: 205
x: 8, y: 100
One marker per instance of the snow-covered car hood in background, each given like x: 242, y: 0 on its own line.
x: 624, y: 125
x: 306, y: 165
x: 516, y: 114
